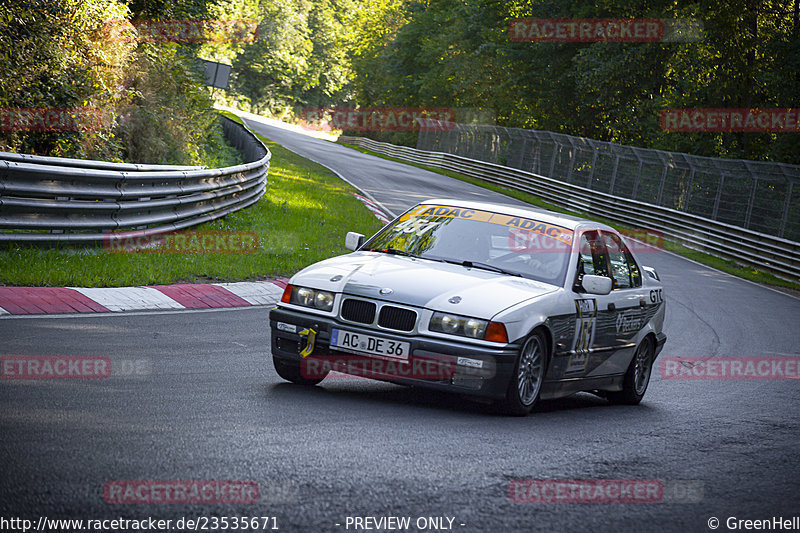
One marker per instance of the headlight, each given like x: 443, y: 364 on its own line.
x: 475, y: 328
x: 303, y: 296
x: 458, y: 325
x: 449, y: 324
x: 322, y: 300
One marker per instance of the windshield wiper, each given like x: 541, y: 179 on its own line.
x: 393, y: 251
x: 487, y: 266
x: 476, y: 264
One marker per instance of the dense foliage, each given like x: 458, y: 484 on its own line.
x: 69, y: 56
x: 405, y: 53
x: 458, y: 53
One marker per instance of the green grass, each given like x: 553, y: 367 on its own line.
x: 724, y: 265
x: 302, y: 218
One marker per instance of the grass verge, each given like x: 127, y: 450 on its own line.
x: 724, y: 265
x: 301, y: 219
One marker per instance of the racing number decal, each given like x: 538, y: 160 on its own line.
x: 418, y: 226
x: 585, y: 321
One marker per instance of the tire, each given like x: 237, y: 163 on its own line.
x: 291, y: 372
x: 526, y: 381
x: 637, y: 377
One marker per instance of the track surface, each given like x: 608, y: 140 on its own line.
x: 203, y: 402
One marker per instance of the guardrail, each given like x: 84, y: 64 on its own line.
x: 768, y: 253
x: 50, y: 199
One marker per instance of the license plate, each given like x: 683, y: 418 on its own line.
x: 369, y: 344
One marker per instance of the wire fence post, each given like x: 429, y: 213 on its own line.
x: 591, y: 170
x: 750, y: 203
x: 786, y: 205
x: 638, y: 176
x: 719, y: 196
x: 614, y: 174
x: 689, y: 185
x: 555, y: 154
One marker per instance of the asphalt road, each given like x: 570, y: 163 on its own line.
x: 199, y: 400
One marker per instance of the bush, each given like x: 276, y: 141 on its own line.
x: 168, y: 116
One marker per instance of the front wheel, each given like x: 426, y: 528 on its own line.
x: 291, y: 372
x: 637, y: 377
x: 526, y: 381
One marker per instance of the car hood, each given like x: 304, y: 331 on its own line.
x: 421, y: 283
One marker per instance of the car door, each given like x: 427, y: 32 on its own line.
x: 605, y: 325
x: 586, y: 348
x: 623, y: 312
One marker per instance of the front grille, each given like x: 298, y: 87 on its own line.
x: 397, y: 318
x: 358, y: 311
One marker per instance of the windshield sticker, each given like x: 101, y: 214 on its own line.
x: 519, y: 224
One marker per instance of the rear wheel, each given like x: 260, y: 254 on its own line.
x: 526, y: 381
x: 637, y: 377
x: 291, y: 372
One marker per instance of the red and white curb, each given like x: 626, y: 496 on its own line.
x: 372, y: 206
x: 59, y: 300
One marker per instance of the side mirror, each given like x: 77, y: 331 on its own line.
x: 651, y: 272
x: 353, y: 240
x: 596, y: 284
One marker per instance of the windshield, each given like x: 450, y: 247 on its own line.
x: 479, y: 239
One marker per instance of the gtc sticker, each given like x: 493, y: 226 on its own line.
x: 656, y: 296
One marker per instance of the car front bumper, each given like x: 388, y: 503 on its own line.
x: 432, y: 363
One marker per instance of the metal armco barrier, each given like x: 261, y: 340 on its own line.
x: 768, y: 253
x: 50, y: 199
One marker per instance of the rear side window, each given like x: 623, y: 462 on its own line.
x: 624, y: 270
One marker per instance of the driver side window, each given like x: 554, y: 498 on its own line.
x: 592, y: 256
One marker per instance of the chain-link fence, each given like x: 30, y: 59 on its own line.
x: 763, y: 197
